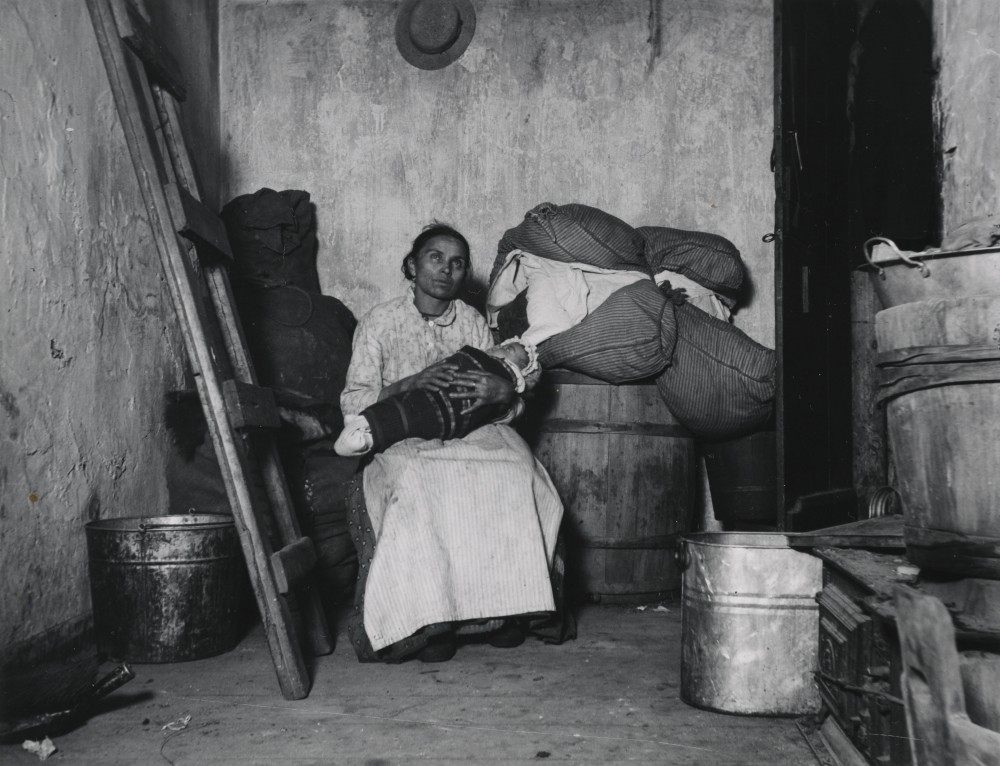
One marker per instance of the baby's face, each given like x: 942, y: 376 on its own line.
x: 516, y: 354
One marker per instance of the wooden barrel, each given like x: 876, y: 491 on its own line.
x: 939, y: 370
x: 624, y: 468
x: 743, y: 479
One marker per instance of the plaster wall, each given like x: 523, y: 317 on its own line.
x: 657, y: 111
x: 967, y: 39
x: 88, y: 343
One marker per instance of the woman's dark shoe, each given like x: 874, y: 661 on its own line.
x: 508, y: 635
x: 441, y: 648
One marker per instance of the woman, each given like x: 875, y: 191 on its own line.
x: 451, y: 535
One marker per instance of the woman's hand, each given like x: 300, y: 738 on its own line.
x: 437, y: 377
x: 480, y: 389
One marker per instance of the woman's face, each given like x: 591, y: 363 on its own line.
x: 439, y: 268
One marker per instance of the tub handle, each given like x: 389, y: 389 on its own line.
x: 869, y: 246
x: 681, y: 556
x: 884, y: 501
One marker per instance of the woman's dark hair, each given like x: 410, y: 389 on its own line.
x: 428, y: 233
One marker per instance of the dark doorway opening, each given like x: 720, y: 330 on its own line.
x: 854, y: 157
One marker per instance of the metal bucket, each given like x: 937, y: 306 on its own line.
x: 166, y: 588
x: 750, y: 633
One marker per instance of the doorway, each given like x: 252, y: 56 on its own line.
x: 854, y: 157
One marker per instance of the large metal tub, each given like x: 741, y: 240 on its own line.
x: 750, y: 624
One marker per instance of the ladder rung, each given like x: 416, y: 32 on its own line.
x: 293, y: 563
x: 205, y: 228
x: 250, y: 406
x: 161, y: 66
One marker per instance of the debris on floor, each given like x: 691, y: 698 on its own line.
x: 42, y: 749
x: 178, y: 725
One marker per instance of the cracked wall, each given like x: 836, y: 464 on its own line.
x: 87, y: 337
x: 658, y: 111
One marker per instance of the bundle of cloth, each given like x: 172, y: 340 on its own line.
x: 622, y: 304
x: 300, y: 343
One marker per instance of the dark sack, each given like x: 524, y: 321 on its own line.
x: 708, y: 259
x: 273, y: 238
x: 298, y: 341
x: 720, y: 383
x: 318, y: 479
x: 628, y: 337
x: 574, y: 233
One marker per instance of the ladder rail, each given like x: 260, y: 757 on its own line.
x: 133, y: 98
x: 220, y: 290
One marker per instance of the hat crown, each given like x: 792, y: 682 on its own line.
x: 435, y: 25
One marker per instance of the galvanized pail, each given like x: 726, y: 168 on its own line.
x: 167, y: 588
x: 750, y: 630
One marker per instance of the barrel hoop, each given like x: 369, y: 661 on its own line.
x: 573, y: 426
x: 636, y: 591
x: 905, y: 379
x: 154, y: 562
x: 637, y: 543
x: 568, y: 377
x: 740, y: 488
x: 918, y: 355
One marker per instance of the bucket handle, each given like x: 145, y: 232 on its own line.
x: 869, y: 246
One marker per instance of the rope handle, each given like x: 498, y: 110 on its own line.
x: 869, y: 245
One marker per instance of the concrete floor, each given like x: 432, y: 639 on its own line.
x: 609, y: 697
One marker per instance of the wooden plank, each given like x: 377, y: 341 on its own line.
x: 870, y: 452
x: 840, y: 745
x: 881, y: 532
x: 650, y: 489
x: 250, y: 406
x: 134, y: 106
x: 293, y: 563
x: 161, y: 66
x: 204, y: 228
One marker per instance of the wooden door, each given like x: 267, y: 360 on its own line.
x: 812, y: 270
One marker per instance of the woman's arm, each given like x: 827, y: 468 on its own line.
x: 364, y: 375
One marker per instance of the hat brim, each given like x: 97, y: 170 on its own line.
x: 423, y: 60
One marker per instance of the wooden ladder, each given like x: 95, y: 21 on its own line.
x: 194, y: 252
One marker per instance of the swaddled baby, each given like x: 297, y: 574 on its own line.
x: 434, y: 414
